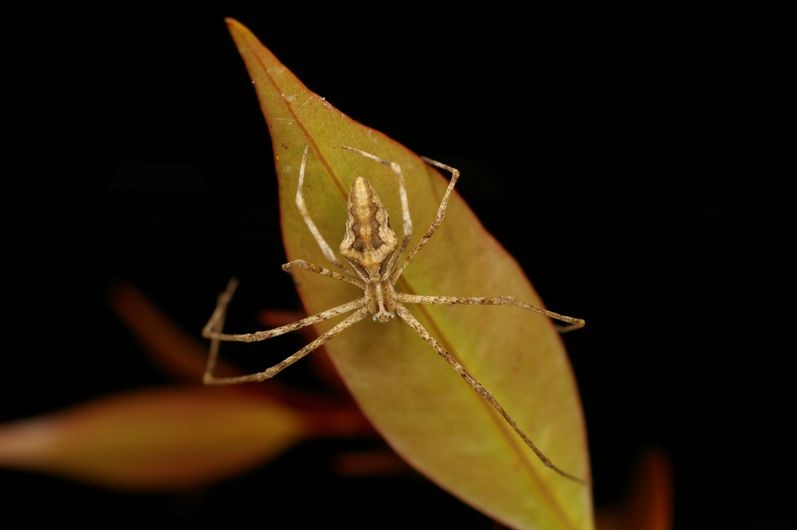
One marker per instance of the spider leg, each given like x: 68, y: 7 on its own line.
x: 572, y: 323
x: 212, y: 330
x: 405, y: 208
x: 405, y: 315
x: 280, y: 366
x: 302, y: 264
x: 300, y: 204
x: 441, y: 213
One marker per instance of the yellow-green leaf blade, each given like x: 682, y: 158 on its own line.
x: 425, y: 411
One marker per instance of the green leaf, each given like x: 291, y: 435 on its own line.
x: 427, y: 413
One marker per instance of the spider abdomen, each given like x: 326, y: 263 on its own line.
x: 369, y: 240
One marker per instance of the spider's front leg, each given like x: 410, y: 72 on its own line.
x: 441, y: 213
x: 305, y: 213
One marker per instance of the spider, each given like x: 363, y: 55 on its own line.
x: 371, y: 252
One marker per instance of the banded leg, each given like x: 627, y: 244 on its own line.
x: 302, y: 264
x: 212, y: 330
x: 572, y: 322
x: 215, y: 324
x: 268, y: 373
x: 300, y: 204
x: 405, y: 315
x: 441, y: 213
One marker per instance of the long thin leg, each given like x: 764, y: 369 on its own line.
x: 405, y: 315
x: 212, y: 330
x: 302, y: 264
x: 300, y: 204
x: 405, y: 207
x: 268, y: 373
x: 441, y: 213
x: 572, y: 322
x: 217, y: 320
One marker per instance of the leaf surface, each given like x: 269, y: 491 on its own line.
x: 425, y: 411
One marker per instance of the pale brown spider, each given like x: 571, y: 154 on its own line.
x: 371, y: 250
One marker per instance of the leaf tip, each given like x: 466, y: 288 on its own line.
x: 231, y: 22
x: 236, y: 28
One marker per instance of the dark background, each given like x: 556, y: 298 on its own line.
x: 650, y: 142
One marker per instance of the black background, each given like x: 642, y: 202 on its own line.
x: 650, y: 142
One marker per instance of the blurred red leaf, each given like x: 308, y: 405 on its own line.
x: 649, y: 505
x: 176, y: 352
x: 161, y: 439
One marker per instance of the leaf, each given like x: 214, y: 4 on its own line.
x: 157, y: 439
x: 172, y: 349
x: 649, y: 503
x: 422, y: 407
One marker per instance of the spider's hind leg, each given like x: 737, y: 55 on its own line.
x: 214, y: 327
x: 407, y: 317
x: 213, y: 331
